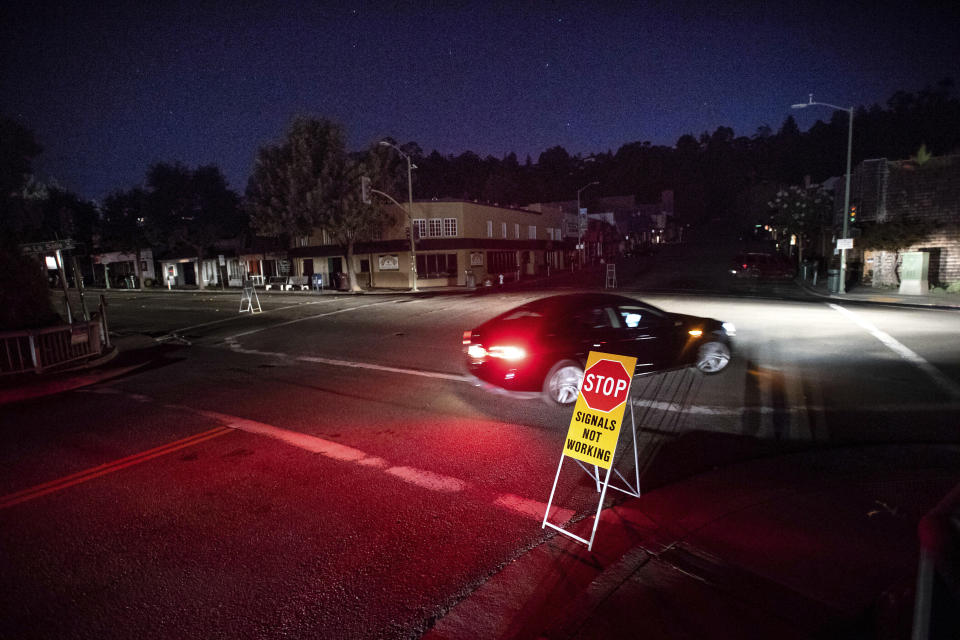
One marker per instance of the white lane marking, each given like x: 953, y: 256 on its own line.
x: 379, y: 367
x: 418, y: 477
x: 437, y: 375
x: 313, y: 317
x: 952, y: 388
x: 428, y: 479
x: 532, y: 508
x: 232, y: 342
x: 240, y: 317
x: 313, y: 444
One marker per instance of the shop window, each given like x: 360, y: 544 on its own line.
x: 437, y: 265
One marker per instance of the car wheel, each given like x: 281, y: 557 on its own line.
x: 713, y: 357
x: 562, y: 383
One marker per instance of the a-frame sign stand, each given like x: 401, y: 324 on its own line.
x: 249, y: 300
x: 594, y: 431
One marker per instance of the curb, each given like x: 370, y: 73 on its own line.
x: 61, y: 381
x: 868, y: 298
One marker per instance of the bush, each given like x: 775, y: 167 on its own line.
x: 24, y: 294
x: 954, y: 288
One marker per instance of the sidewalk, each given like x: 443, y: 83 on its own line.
x: 819, y: 544
x: 128, y: 354
x: 861, y: 293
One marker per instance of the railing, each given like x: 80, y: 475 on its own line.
x: 38, y: 350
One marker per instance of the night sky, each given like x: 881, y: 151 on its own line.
x: 109, y: 88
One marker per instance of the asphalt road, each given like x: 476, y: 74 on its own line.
x: 325, y: 470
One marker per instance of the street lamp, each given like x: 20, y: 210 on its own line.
x: 413, y: 246
x: 579, y: 222
x: 842, y: 287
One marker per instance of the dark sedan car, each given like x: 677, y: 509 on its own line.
x: 762, y: 266
x: 541, y: 347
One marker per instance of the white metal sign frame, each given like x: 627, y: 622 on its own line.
x: 630, y: 490
x: 249, y: 300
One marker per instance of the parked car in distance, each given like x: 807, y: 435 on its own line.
x: 762, y: 266
x: 541, y: 347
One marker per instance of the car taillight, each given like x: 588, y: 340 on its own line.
x: 507, y: 352
x: 467, y: 336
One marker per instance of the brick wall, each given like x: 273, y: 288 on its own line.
x: 944, y: 249
x: 883, y: 190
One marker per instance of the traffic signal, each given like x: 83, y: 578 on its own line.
x: 365, y: 189
x: 853, y: 213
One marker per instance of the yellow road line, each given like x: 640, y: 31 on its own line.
x: 71, y: 480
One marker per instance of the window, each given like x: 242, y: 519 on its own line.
x: 532, y: 231
x: 302, y: 241
x: 489, y: 228
x: 516, y: 230
x: 594, y: 318
x: 449, y: 226
x: 637, y: 317
x: 550, y: 233
x: 436, y: 227
x: 420, y: 227
x: 503, y: 229
x: 501, y: 261
x: 437, y: 265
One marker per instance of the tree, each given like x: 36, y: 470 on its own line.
x: 24, y: 293
x: 802, y: 212
x: 18, y: 148
x: 190, y: 209
x: 122, y: 224
x: 294, y: 183
x: 308, y: 181
x: 349, y: 220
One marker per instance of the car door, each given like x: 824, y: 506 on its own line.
x: 595, y: 328
x: 646, y: 334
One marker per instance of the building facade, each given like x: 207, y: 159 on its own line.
x: 884, y: 191
x: 456, y: 242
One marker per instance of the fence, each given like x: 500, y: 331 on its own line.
x: 38, y: 350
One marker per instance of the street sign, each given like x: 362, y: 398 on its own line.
x: 49, y: 246
x: 595, y: 424
x: 844, y: 243
x: 605, y: 385
x: 595, y: 429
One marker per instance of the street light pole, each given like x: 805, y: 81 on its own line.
x: 413, y: 246
x: 579, y: 222
x: 842, y: 286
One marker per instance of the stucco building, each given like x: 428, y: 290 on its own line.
x: 456, y: 242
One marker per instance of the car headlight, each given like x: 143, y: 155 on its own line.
x: 730, y: 328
